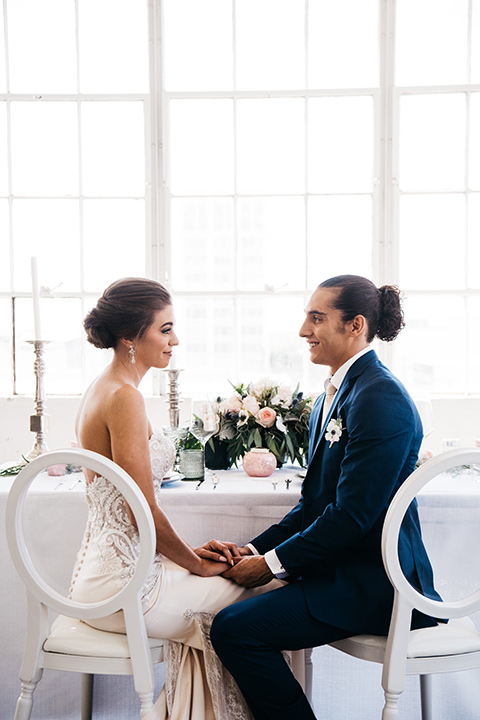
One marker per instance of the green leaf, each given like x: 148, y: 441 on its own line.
x: 290, y: 446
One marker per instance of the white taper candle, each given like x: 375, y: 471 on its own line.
x: 36, y: 300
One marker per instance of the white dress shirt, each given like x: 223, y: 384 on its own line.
x: 271, y: 557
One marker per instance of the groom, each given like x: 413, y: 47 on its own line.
x: 365, y: 434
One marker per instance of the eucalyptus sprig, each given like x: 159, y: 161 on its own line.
x: 14, y: 469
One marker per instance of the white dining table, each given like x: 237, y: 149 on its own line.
x: 235, y: 508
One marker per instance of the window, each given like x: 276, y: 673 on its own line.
x: 73, y: 163
x: 241, y: 151
x: 437, y: 198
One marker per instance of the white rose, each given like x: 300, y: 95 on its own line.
x: 251, y: 405
x: 283, y: 397
x: 233, y: 404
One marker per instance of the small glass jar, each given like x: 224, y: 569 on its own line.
x: 259, y: 462
x: 191, y: 464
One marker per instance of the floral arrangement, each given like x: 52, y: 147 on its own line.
x: 265, y: 415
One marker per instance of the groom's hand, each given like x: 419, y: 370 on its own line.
x: 250, y: 571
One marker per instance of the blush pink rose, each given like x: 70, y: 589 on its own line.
x: 266, y: 417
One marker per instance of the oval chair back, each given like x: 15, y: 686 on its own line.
x: 73, y: 644
x: 447, y: 647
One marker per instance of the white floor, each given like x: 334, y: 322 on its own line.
x: 356, y: 696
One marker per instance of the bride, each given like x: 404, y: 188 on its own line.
x: 184, y: 589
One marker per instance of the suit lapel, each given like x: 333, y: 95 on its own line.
x: 357, y: 368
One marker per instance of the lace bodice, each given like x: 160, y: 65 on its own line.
x: 110, y: 540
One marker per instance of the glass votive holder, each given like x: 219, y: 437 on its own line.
x: 450, y: 444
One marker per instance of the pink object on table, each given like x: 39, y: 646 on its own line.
x: 259, y: 462
x: 57, y: 470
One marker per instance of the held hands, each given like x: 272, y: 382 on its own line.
x: 218, y: 552
x: 215, y: 555
x: 250, y: 571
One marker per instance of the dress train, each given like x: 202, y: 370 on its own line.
x: 197, y: 686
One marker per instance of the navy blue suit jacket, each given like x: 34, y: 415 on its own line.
x: 332, y: 539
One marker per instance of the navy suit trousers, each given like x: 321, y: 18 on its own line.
x: 249, y: 638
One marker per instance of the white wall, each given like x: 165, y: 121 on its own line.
x: 458, y: 418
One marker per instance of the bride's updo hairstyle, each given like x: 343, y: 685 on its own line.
x: 381, y: 307
x: 126, y: 310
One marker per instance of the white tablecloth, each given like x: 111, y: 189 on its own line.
x: 237, y: 509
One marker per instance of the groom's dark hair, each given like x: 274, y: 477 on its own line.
x: 381, y: 307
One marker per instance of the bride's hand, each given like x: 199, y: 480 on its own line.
x: 210, y: 568
x: 218, y: 551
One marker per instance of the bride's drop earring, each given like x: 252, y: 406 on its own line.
x: 131, y: 352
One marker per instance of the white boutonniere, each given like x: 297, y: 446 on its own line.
x: 334, y: 431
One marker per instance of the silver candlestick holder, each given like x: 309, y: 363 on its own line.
x: 39, y: 422
x: 173, y: 398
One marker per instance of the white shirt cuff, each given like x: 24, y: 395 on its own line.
x: 252, y: 548
x: 274, y: 564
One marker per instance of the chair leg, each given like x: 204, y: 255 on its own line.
x: 87, y: 696
x: 25, y: 701
x: 426, y: 696
x: 309, y: 675
x: 390, y: 709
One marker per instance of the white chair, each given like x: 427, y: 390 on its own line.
x: 445, y: 648
x: 71, y: 644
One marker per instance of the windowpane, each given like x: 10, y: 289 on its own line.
x: 270, y: 344
x: 4, y: 246
x: 3, y: 71
x: 270, y: 44
x: 49, y: 229
x: 432, y: 237
x: 113, y: 40
x: 113, y: 148
x: 432, y: 142
x: 473, y: 346
x: 6, y: 355
x: 340, y: 135
x: 207, y: 350
x: 473, y: 264
x: 431, y: 42
x: 44, y: 148
x: 337, y: 32
x: 42, y: 46
x: 271, y: 241
x: 339, y: 237
x: 201, y: 147
x: 474, y: 155
x: 271, y: 146
x: 3, y: 150
x: 114, y: 241
x: 475, y: 43
x: 430, y: 349
x: 61, y: 325
x: 198, y: 44
x: 202, y: 244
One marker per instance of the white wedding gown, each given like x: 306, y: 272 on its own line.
x: 178, y: 606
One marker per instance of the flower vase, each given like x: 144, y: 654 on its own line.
x: 217, y: 458
x: 259, y: 462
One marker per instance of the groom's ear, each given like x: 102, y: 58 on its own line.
x: 358, y: 325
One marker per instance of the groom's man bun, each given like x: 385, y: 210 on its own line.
x: 381, y: 307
